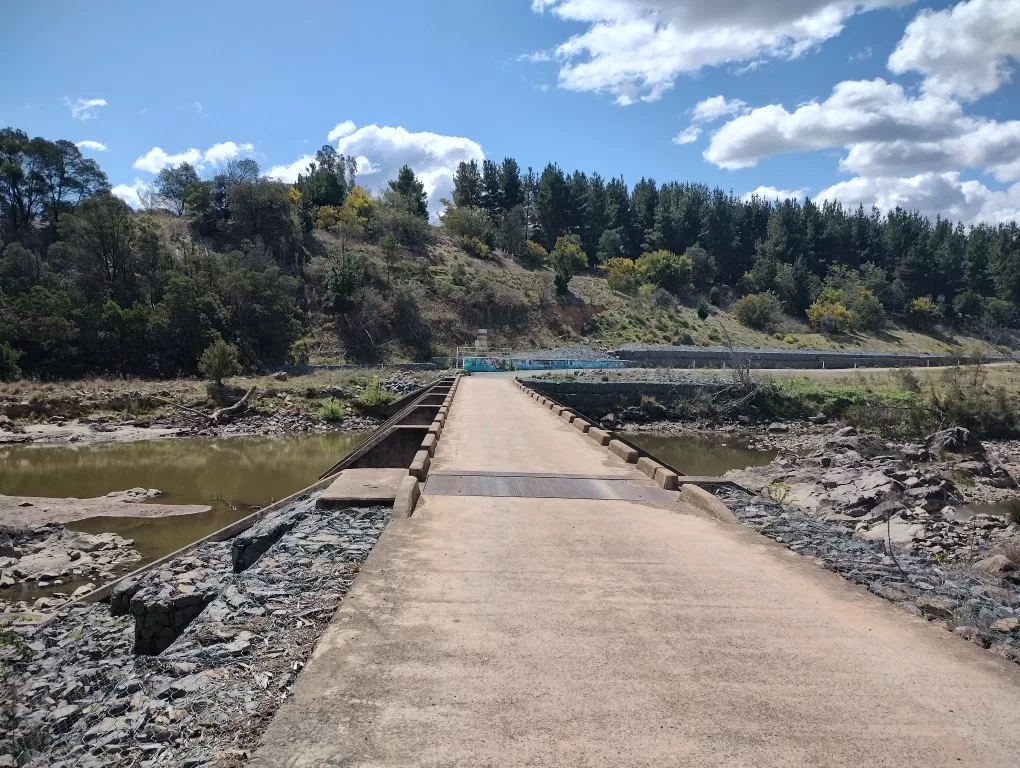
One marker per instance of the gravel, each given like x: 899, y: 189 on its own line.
x: 75, y: 694
x: 973, y: 605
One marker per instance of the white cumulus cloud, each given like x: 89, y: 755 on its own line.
x: 886, y: 133
x: 85, y: 109
x: 218, y: 154
x: 380, y: 152
x: 772, y: 193
x: 345, y: 128
x: 636, y: 49
x: 289, y: 173
x: 965, y: 51
x: 933, y: 194
x: 688, y: 135
x: 131, y: 193
x: 718, y: 106
x: 95, y: 146
x: 857, y: 111
x: 156, y: 159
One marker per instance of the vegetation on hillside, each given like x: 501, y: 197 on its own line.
x: 286, y: 272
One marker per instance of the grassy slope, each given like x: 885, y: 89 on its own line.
x: 633, y: 319
x: 446, y: 280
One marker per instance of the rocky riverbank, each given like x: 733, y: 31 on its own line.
x: 947, y: 498
x: 77, y: 694
x: 163, y: 410
x: 979, y: 605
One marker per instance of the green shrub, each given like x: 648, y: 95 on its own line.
x: 667, y: 270
x: 761, y: 311
x: 465, y: 221
x: 828, y: 316
x: 704, y: 310
x: 346, y: 276
x: 622, y: 275
x: 534, y: 255
x: 475, y: 247
x: 219, y: 361
x: 374, y: 398
x: 9, y: 370
x: 567, y: 259
x: 332, y: 411
x: 923, y: 313
x: 715, y: 296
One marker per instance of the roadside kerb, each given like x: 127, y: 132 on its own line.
x: 666, y: 477
x: 408, y: 493
x: 420, y: 465
x: 624, y: 451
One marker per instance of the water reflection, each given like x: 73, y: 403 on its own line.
x: 233, y: 475
x: 239, y: 471
x: 701, y: 454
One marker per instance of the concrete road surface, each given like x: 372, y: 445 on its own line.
x: 563, y: 632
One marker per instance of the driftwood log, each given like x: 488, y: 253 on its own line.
x: 238, y: 407
x: 217, y: 416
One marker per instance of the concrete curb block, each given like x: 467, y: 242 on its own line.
x: 701, y: 499
x: 408, y: 493
x: 624, y: 451
x: 582, y: 425
x: 436, y: 429
x: 567, y: 416
x: 420, y: 466
x: 667, y: 479
x: 649, y: 466
x: 429, y: 444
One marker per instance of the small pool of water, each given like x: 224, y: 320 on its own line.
x: 700, y: 454
x: 234, y: 476
x: 1009, y: 511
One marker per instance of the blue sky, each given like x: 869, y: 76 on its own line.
x: 885, y: 102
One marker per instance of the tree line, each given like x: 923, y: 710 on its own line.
x: 692, y: 237
x: 88, y: 286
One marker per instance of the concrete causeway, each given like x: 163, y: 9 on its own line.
x: 521, y: 631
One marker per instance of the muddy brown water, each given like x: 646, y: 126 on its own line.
x: 234, y: 476
x: 700, y: 454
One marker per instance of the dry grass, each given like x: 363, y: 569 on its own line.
x: 635, y: 319
x: 1004, y: 375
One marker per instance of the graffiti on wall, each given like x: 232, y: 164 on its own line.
x: 493, y: 364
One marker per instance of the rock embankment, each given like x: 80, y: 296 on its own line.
x: 76, y: 694
x: 919, y: 495
x: 980, y: 607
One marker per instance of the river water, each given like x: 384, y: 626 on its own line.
x: 234, y: 476
x: 700, y: 454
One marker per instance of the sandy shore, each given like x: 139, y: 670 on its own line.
x: 30, y: 511
x: 75, y: 432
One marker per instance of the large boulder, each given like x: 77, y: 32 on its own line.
x: 957, y: 440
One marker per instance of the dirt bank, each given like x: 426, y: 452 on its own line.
x: 31, y: 511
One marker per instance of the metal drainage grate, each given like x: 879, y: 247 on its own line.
x: 544, y: 487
